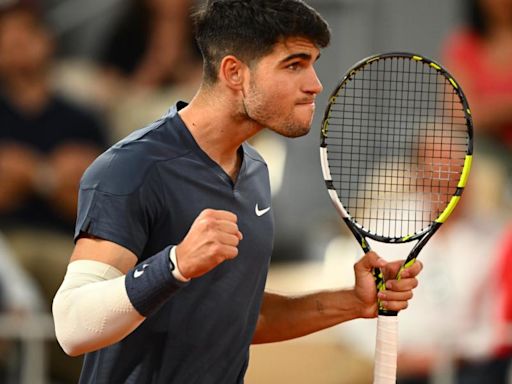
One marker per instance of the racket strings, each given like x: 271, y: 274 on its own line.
x: 396, y: 144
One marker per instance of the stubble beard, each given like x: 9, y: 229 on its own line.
x: 267, y: 114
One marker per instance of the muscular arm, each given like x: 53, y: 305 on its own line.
x: 90, y: 248
x: 287, y: 317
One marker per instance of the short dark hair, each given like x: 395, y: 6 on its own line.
x: 476, y: 17
x: 25, y: 7
x: 249, y: 29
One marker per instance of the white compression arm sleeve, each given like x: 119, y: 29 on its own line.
x: 91, y: 309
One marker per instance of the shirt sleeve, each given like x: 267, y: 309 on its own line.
x: 121, y: 197
x: 117, y: 218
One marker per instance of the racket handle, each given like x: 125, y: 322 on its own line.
x: 386, y: 350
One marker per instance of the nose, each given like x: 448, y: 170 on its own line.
x: 314, y: 86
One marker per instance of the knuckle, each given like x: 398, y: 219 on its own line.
x: 236, y: 240
x: 208, y: 225
x: 219, y: 258
x: 203, y: 214
x: 233, y: 252
x: 207, y: 212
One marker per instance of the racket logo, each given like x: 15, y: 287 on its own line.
x: 260, y: 212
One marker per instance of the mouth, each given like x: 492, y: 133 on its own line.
x: 307, y: 103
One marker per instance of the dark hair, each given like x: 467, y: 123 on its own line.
x: 476, y: 18
x: 26, y: 7
x: 249, y: 29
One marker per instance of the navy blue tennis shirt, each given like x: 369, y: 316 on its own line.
x: 144, y: 194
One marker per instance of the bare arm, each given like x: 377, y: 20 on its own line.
x: 287, y: 317
x: 89, y: 248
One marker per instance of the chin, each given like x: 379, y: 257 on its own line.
x: 295, y: 131
x: 292, y: 127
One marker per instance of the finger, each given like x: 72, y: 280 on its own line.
x: 228, y: 227
x: 393, y: 268
x: 229, y: 252
x: 413, y: 270
x: 229, y: 239
x: 395, y: 296
x: 369, y: 261
x: 220, y: 215
x: 402, y: 284
x: 394, y: 305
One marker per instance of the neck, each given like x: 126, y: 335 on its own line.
x: 218, y: 128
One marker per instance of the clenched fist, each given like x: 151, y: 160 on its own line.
x: 212, y: 239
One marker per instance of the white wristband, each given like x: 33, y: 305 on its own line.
x: 176, y: 271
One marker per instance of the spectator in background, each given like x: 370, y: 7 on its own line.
x: 153, y: 45
x: 19, y: 298
x: 447, y: 335
x: 503, y: 333
x: 46, y: 143
x: 479, y: 55
x: 149, y: 61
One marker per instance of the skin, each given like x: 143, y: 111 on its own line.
x: 276, y: 93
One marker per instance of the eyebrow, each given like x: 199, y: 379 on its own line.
x: 303, y: 56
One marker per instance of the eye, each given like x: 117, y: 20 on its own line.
x: 293, y: 66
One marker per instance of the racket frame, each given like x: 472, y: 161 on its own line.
x: 385, y: 364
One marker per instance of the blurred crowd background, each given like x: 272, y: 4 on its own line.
x: 76, y: 76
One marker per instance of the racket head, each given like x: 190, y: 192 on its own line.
x: 396, y: 146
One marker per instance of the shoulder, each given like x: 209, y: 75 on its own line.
x: 132, y: 162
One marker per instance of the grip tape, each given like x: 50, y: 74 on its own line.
x: 386, y: 350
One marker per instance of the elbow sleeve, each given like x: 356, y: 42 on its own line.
x: 91, y: 309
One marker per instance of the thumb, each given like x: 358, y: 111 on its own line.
x: 369, y: 261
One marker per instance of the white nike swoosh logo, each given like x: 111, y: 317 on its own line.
x: 138, y: 272
x: 260, y: 212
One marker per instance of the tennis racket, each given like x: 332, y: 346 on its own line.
x: 396, y: 151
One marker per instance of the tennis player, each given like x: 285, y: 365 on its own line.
x: 175, y: 228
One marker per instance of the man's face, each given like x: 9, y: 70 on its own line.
x: 24, y: 45
x: 280, y: 94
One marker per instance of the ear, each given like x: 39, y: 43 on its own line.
x: 232, y: 72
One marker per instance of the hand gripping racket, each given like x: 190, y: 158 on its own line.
x: 396, y: 150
